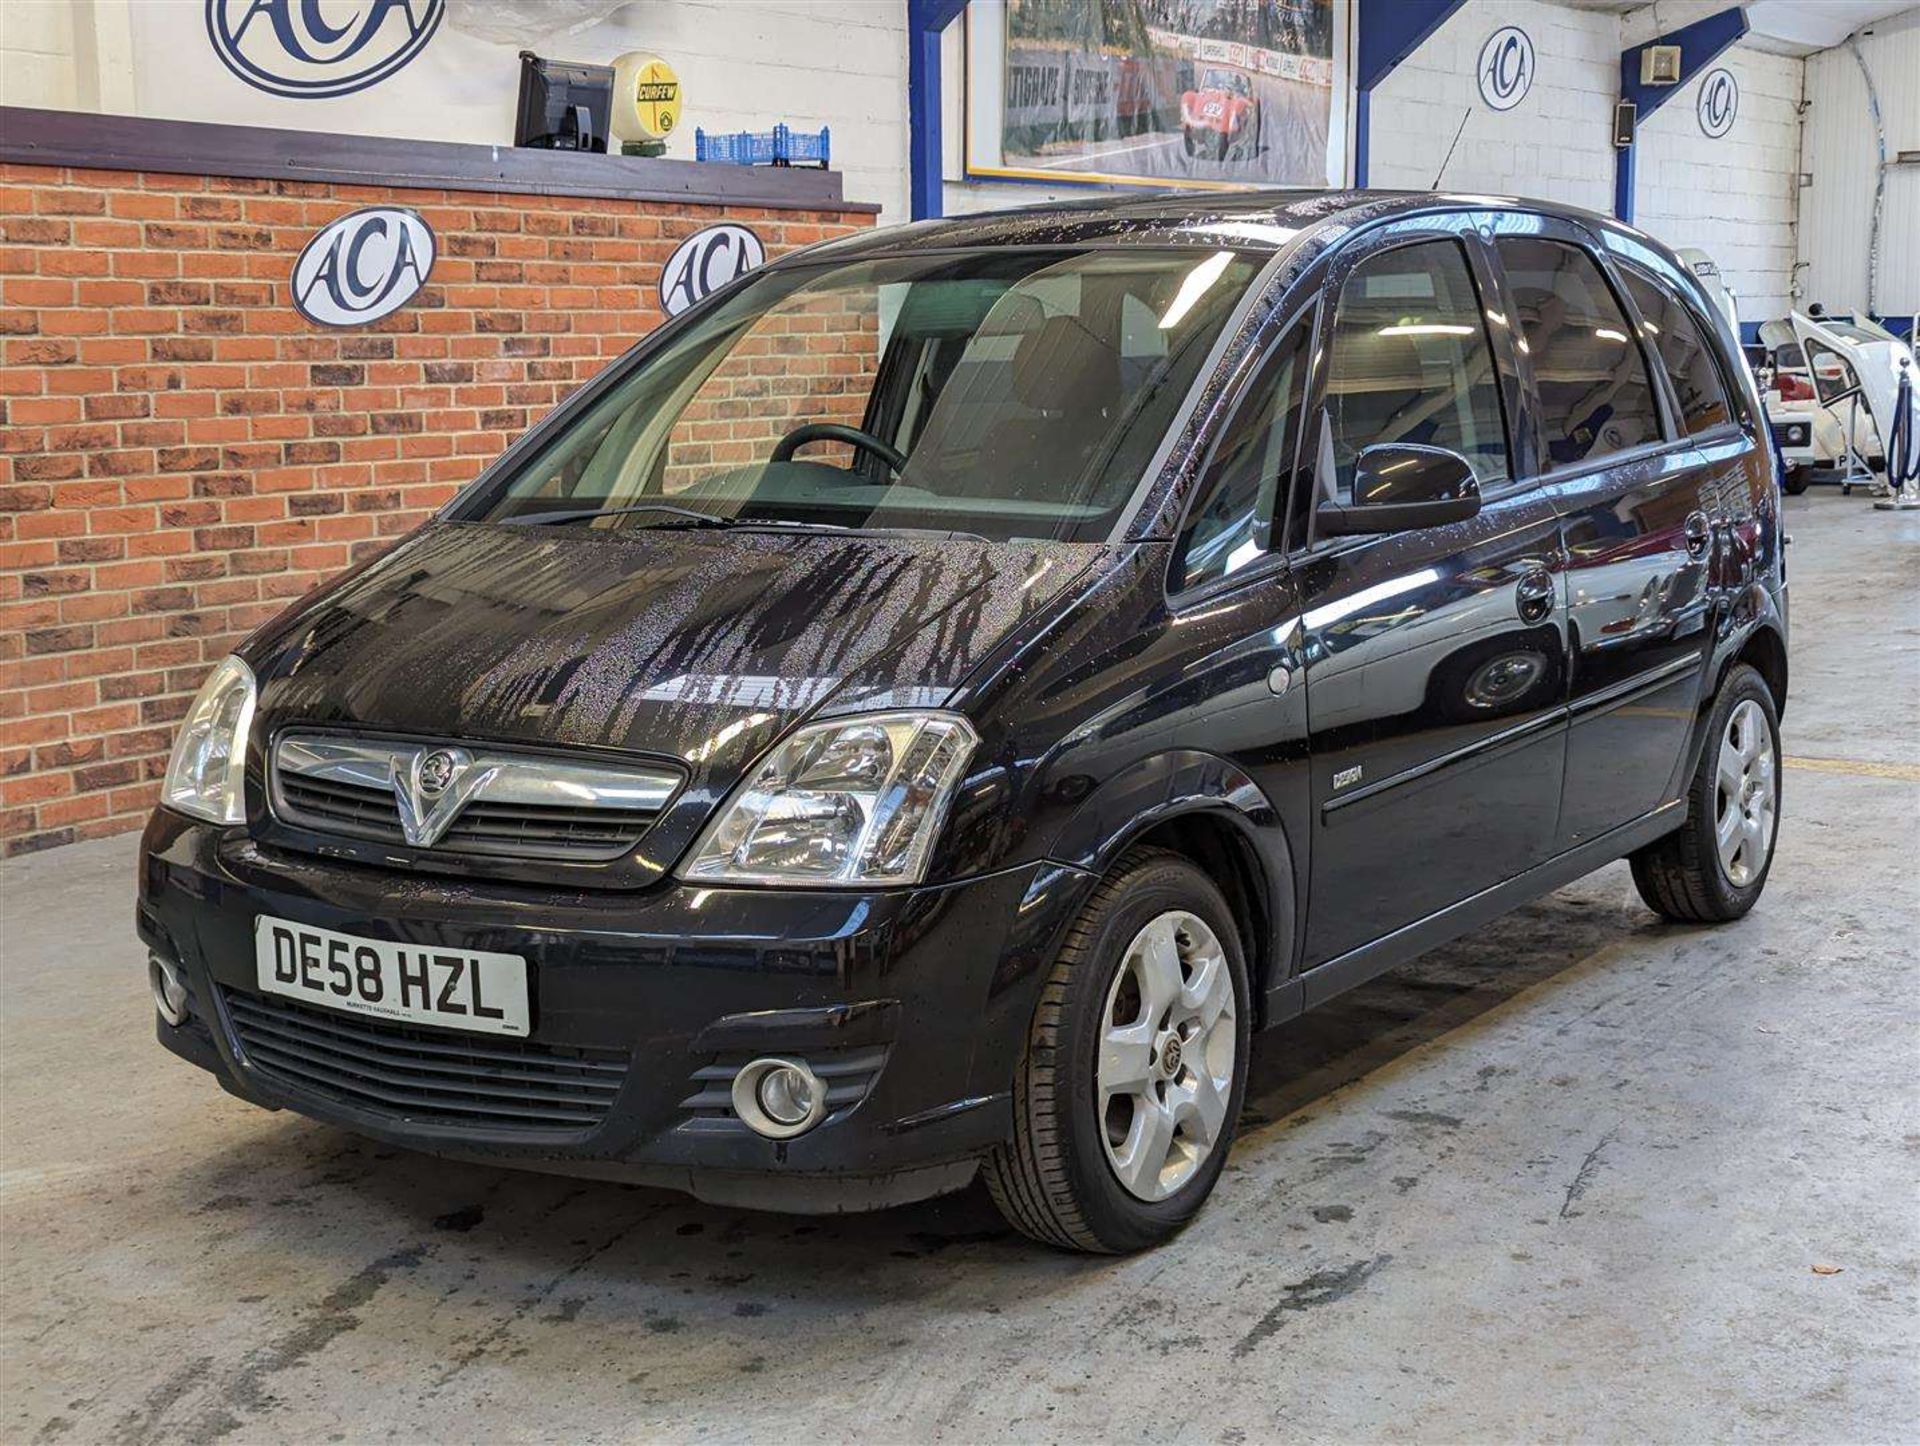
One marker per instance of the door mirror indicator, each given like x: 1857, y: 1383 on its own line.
x: 1398, y: 486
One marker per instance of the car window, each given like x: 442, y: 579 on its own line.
x: 1687, y: 354
x: 1595, y: 395
x: 1008, y: 392
x: 1251, y: 465
x: 1410, y: 362
x: 1833, y: 375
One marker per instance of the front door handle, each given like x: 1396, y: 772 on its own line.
x: 1699, y: 534
x: 1534, y: 595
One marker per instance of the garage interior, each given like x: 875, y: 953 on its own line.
x: 1576, y: 1176
x: 1580, y: 1175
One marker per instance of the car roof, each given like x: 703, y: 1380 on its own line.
x: 1258, y: 220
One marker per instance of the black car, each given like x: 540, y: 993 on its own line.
x: 1181, y: 614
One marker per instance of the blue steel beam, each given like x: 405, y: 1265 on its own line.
x: 1701, y: 43
x: 1386, y: 33
x: 926, y: 21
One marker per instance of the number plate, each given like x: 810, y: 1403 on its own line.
x: 453, y: 988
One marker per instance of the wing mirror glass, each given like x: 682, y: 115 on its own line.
x: 1397, y: 486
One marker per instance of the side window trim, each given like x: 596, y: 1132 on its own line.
x: 1673, y: 426
x: 1524, y: 447
x: 1219, y: 425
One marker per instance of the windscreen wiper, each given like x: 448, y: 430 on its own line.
x: 690, y: 516
x: 783, y: 524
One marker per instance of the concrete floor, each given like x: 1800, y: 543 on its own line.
x: 1569, y: 1178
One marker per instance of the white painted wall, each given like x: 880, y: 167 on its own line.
x: 36, y: 39
x: 1838, y: 151
x: 744, y: 65
x: 1736, y: 197
x: 1555, y: 145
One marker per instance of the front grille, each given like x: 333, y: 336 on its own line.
x: 426, y: 1076
x: 519, y: 805
x: 513, y: 830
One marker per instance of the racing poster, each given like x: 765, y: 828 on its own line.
x: 1158, y: 92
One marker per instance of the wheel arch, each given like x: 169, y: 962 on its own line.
x: 1763, y: 646
x: 1210, y: 811
x: 1766, y: 651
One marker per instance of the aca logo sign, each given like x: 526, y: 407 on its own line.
x: 366, y: 265
x: 1506, y: 68
x: 1719, y: 102
x: 706, y: 261
x: 311, y: 49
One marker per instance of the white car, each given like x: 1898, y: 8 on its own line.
x: 1811, y: 408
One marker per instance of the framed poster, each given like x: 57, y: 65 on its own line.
x: 1208, y: 94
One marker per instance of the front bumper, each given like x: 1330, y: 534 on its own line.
x: 1795, y: 436
x: 937, y: 985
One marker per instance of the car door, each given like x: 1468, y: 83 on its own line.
x: 1635, y: 495
x: 1435, y: 659
x: 1235, y: 619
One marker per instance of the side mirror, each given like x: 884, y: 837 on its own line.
x: 1398, y: 486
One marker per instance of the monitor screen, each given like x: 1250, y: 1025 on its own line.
x: 564, y: 105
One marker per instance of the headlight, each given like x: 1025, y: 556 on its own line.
x: 854, y: 801
x: 206, y: 772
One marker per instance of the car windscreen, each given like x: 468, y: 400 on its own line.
x: 1005, y: 393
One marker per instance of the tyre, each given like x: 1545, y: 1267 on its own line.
x: 1796, y: 481
x: 1186, y: 141
x: 1126, y: 1097
x: 1713, y: 867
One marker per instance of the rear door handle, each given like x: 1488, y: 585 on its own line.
x: 1699, y: 534
x: 1534, y: 595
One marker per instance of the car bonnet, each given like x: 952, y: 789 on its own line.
x: 700, y: 647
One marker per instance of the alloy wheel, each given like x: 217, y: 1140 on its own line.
x: 1746, y: 795
x: 1167, y: 1049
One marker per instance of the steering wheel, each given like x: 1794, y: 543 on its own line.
x: 800, y: 436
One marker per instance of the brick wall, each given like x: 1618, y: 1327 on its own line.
x: 182, y: 454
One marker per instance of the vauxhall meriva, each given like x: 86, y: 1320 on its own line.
x: 918, y: 714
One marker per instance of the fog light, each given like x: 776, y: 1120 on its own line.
x: 169, y: 987
x: 779, y: 1098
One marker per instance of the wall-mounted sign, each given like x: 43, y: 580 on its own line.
x: 1719, y: 102
x: 363, y: 266
x: 705, y: 262
x: 310, y: 49
x: 1505, y: 70
x: 646, y: 98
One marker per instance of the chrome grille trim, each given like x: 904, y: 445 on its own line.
x: 505, y: 804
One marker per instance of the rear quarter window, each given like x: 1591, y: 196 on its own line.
x: 1685, y: 350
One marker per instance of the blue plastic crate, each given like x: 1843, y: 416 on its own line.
x: 803, y: 149
x: 777, y: 147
